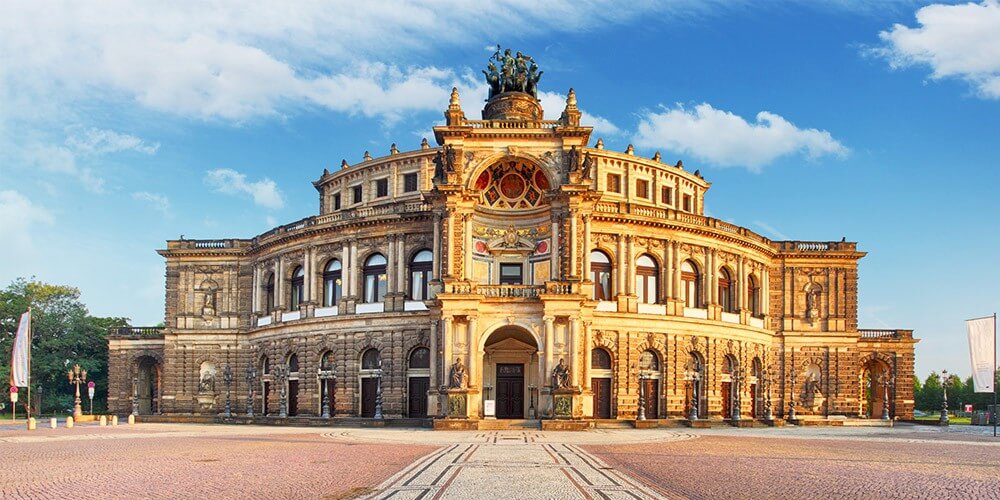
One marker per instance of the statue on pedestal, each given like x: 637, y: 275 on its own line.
x: 458, y: 376
x: 560, y: 375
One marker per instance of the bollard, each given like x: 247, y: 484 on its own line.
x: 114, y: 420
x: 53, y: 422
x: 104, y: 421
x: 32, y: 424
x: 131, y: 420
x: 69, y: 422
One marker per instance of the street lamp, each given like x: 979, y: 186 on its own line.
x: 691, y: 378
x: 324, y: 377
x: 77, y: 377
x: 884, y: 380
x: 227, y: 378
x: 251, y: 377
x: 944, y: 399
x: 768, y: 413
x: 378, y: 392
x: 642, y: 396
x: 280, y: 375
x: 737, y: 375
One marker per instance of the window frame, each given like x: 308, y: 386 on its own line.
x: 333, y: 283
x: 647, y: 276
x: 376, y: 289
x: 597, y: 269
x: 407, y: 177
x: 381, y: 187
x: 296, y: 292
x: 357, y: 194
x: 424, y: 270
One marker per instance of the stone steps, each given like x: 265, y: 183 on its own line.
x: 504, y: 424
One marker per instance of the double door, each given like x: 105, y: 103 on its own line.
x: 510, y: 391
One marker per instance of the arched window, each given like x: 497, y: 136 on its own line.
x: 691, y: 284
x: 600, y: 359
x: 420, y: 358
x: 727, y: 290
x: 646, y: 280
x: 269, y: 294
x: 298, y: 280
x: 371, y: 360
x: 649, y: 361
x: 265, y: 365
x: 421, y: 274
x: 293, y: 363
x: 753, y: 295
x: 375, y: 278
x: 600, y: 274
x: 333, y: 283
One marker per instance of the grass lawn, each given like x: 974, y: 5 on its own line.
x: 953, y: 420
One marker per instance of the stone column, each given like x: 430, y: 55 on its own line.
x: 401, y: 257
x: 307, y: 277
x: 390, y: 266
x: 587, y: 247
x: 354, y: 270
x: 588, y: 348
x: 436, y: 263
x: 676, y: 271
x: 475, y: 358
x: 277, y: 284
x: 449, y: 247
x: 668, y: 271
x: 741, y: 296
x: 345, y: 271
x: 549, y: 348
x: 622, y: 268
x: 432, y: 398
x: 574, y: 343
x: 255, y: 291
x: 467, y: 246
x: 556, y: 272
x: 447, y: 340
x: 572, y: 243
x: 630, y: 264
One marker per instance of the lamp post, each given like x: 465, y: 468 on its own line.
x: 324, y: 377
x: 227, y: 378
x: 135, y: 396
x: 736, y: 375
x: 691, y: 377
x: 884, y: 380
x: 791, y: 402
x: 642, y: 396
x: 251, y: 377
x: 768, y: 413
x: 378, y: 392
x: 944, y: 399
x: 77, y: 377
x: 280, y: 374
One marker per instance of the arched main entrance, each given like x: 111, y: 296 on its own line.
x: 875, y: 377
x: 510, y: 373
x: 148, y: 385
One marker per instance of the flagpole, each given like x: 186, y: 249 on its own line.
x: 996, y: 414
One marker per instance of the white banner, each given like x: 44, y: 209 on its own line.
x: 20, y: 356
x: 982, y: 352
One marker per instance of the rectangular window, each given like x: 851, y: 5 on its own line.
x: 687, y: 203
x: 381, y: 188
x: 410, y: 182
x: 356, y: 190
x: 614, y: 183
x: 667, y: 195
x: 642, y: 188
x: 336, y: 201
x: 511, y: 274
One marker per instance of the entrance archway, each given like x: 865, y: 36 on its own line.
x: 873, y: 389
x: 148, y: 385
x: 510, y: 373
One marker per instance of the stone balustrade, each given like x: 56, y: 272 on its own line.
x: 135, y: 331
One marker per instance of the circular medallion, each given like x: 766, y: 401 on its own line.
x: 542, y: 247
x: 512, y: 186
x: 541, y: 181
x: 483, y: 180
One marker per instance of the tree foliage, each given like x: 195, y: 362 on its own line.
x: 928, y: 396
x: 63, y: 334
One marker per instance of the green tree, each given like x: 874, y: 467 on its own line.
x: 63, y: 334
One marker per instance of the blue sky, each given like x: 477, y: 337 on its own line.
x: 124, y: 124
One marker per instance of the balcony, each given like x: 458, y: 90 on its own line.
x: 506, y: 291
x: 885, y: 334
x: 136, y: 331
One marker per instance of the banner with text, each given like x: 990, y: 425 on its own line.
x: 982, y: 350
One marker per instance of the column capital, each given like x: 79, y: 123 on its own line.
x: 548, y: 319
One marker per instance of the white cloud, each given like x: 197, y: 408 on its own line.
x: 61, y: 160
x: 725, y: 139
x: 554, y: 103
x: 770, y: 230
x: 955, y: 41
x: 159, y: 202
x: 98, y: 141
x: 18, y: 216
x: 264, y: 192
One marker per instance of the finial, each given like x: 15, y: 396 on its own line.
x: 326, y: 172
x: 680, y: 164
x: 571, y: 98
x: 393, y: 150
x: 630, y: 150
x: 656, y: 156
x: 600, y: 143
x: 368, y: 156
x: 343, y: 164
x: 697, y: 173
x: 454, y: 102
x: 424, y: 144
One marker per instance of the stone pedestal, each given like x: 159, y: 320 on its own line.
x: 565, y: 404
x: 458, y: 404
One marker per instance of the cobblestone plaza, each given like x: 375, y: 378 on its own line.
x: 215, y: 461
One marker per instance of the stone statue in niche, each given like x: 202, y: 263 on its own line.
x: 587, y: 169
x: 207, y: 382
x: 560, y: 375
x: 208, y: 308
x: 812, y: 302
x: 812, y: 396
x: 458, y: 376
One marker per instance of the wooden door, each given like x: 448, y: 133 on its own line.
x: 602, y: 397
x: 418, y: 396
x: 369, y: 386
x: 263, y: 398
x: 652, y: 396
x: 293, y: 398
x: 510, y: 391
